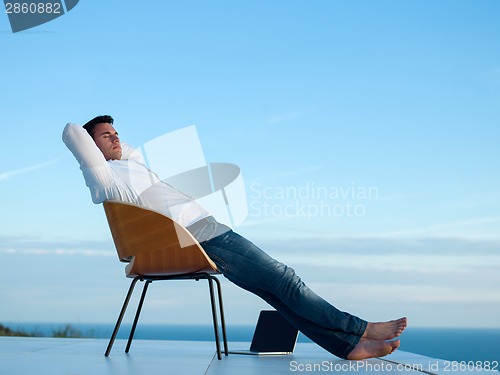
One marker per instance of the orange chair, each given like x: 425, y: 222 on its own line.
x: 157, y: 248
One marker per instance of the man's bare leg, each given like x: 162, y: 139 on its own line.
x: 385, y: 330
x: 373, y: 348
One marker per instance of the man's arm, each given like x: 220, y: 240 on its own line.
x: 95, y: 168
x: 83, y: 147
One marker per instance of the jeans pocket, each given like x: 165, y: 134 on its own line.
x: 221, y: 265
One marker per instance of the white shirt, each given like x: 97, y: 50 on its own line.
x: 128, y: 179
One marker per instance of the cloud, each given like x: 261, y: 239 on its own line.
x: 13, y: 245
x: 435, y: 246
x: 405, y: 293
x: 479, y: 228
x: 59, y: 252
x: 10, y: 174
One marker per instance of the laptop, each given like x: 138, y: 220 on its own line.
x: 273, y: 335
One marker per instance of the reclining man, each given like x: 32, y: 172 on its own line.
x: 109, y: 167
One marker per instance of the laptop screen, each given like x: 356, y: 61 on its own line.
x: 273, y: 333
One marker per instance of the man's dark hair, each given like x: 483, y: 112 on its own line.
x: 89, y: 126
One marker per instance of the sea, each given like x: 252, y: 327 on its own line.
x: 453, y: 344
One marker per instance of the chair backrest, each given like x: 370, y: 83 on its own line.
x: 153, y: 242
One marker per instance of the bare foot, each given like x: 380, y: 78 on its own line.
x: 385, y: 330
x: 373, y: 348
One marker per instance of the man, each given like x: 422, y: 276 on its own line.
x: 114, y: 170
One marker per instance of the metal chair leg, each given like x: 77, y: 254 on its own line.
x: 120, y: 317
x: 214, y: 316
x: 210, y: 280
x: 222, y: 318
x: 138, y: 312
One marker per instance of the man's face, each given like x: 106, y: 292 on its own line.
x: 106, y: 138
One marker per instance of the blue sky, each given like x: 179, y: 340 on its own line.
x: 367, y: 135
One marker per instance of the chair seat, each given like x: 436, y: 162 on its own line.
x: 170, y: 262
x: 150, y: 266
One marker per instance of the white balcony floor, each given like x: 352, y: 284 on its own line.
x: 51, y: 356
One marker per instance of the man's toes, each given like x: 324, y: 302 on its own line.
x: 395, y: 345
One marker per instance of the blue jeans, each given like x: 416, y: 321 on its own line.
x: 247, y: 266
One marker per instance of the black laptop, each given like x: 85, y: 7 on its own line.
x: 273, y: 335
